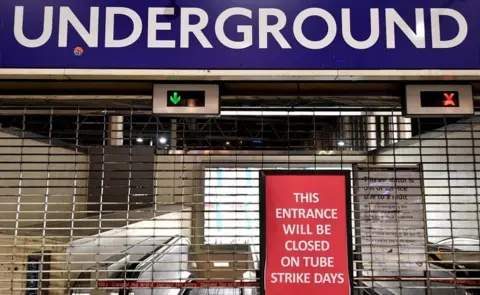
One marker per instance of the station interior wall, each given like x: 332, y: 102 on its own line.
x: 46, y: 171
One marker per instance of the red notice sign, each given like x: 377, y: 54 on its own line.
x: 305, y: 232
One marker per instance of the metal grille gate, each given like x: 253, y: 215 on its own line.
x: 91, y: 197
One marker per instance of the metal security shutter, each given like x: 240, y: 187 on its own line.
x: 112, y: 200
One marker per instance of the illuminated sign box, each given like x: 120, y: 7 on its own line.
x: 186, y: 99
x: 438, y: 101
x: 192, y: 99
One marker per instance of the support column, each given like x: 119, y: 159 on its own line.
x: 347, y: 132
x: 115, y: 130
x: 393, y: 129
x: 383, y: 132
x: 173, y: 132
x: 371, y: 133
x: 405, y: 126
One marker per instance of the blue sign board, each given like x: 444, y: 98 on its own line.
x: 240, y: 34
x: 33, y: 274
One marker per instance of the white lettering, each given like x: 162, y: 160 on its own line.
x: 318, y: 261
x: 297, y: 229
x: 374, y: 30
x: 437, y: 42
x: 68, y: 17
x: 326, y: 16
x: 110, y: 41
x: 324, y: 229
x: 271, y: 27
x: 306, y: 197
x: 265, y: 29
x: 394, y: 19
x: 195, y: 29
x: 46, y: 33
x: 307, y: 245
x: 246, y: 31
x: 300, y: 213
x: 290, y: 261
x: 154, y: 26
x: 290, y: 278
x: 329, y: 278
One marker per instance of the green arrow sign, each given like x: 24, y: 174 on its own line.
x: 175, y: 98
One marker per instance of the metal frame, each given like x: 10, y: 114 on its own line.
x: 239, y: 75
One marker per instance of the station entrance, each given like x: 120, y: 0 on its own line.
x: 100, y: 196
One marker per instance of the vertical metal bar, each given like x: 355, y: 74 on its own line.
x: 476, y: 179
x: 46, y: 200
x: 420, y: 149
x: 129, y: 181
x: 392, y: 130
x: 74, y: 196
x: 102, y: 190
x: 19, y: 198
x: 450, y: 209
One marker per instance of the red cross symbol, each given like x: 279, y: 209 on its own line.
x: 449, y: 100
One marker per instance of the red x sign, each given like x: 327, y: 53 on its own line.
x: 449, y: 100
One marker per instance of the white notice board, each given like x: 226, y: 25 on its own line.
x: 390, y: 215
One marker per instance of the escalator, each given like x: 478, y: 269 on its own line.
x: 453, y: 269
x: 459, y: 256
x: 167, y: 262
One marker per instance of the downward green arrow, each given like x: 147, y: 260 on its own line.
x: 175, y: 98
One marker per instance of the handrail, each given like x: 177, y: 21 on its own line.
x: 133, y: 266
x: 132, y: 273
x: 450, y: 242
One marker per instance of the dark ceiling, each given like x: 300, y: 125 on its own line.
x: 78, y: 113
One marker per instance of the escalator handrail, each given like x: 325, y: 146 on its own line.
x: 132, y: 273
x: 450, y: 242
x: 158, y: 254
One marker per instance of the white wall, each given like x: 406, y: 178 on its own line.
x: 450, y: 171
x: 180, y: 178
x: 31, y: 172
